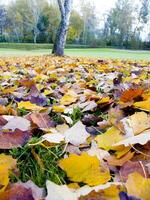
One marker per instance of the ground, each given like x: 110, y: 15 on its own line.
x: 99, y: 53
x: 79, y: 128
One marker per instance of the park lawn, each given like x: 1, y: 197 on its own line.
x: 88, y: 52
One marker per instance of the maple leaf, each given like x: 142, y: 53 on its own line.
x: 131, y: 94
x: 85, y: 168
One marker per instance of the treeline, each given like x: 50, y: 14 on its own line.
x: 28, y: 21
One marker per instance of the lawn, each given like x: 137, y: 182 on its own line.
x: 88, y: 52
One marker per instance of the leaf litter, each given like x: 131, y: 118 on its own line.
x: 74, y: 129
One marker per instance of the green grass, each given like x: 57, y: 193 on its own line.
x: 88, y: 52
x: 38, y: 164
x: 31, y: 46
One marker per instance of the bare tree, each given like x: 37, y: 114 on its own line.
x: 65, y: 10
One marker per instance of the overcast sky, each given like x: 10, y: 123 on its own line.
x: 101, y: 5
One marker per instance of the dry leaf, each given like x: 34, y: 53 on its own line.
x: 143, y: 105
x: 42, y: 120
x: 9, y: 140
x: 130, y: 167
x: 109, y: 138
x: 29, y: 106
x: 15, y: 122
x: 135, y: 124
x: 85, y: 168
x: 7, y: 163
x: 131, y: 94
x: 113, y: 161
x: 77, y: 134
x: 138, y: 186
x: 142, y: 139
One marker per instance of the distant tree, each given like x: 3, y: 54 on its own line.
x: 75, y: 27
x: 65, y: 10
x: 90, y: 22
x: 145, y: 11
x: 3, y: 19
x: 119, y: 22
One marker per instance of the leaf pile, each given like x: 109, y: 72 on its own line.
x: 74, y: 129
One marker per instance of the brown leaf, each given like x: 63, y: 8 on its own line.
x: 17, y: 193
x: 131, y: 94
x: 129, y: 167
x: 9, y: 140
x: 113, y: 161
x: 42, y: 120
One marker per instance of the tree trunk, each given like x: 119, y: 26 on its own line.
x: 60, y: 41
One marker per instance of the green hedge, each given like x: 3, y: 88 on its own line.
x: 30, y: 46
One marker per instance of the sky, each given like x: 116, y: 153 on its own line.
x: 101, y: 5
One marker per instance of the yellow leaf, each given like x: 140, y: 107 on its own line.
x: 6, y: 163
x: 68, y: 98
x: 137, y: 123
x: 9, y: 90
x: 122, y: 152
x: 4, y: 177
x: 104, y: 100
x: 59, y: 109
x: 85, y: 168
x: 29, y: 106
x: 138, y: 186
x: 110, y: 137
x: 48, y: 92
x: 143, y: 105
x: 7, y: 160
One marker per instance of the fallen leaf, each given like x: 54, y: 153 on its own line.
x: 143, y: 105
x: 85, y: 168
x: 131, y: 94
x: 113, y: 161
x: 138, y: 186
x: 53, y: 138
x: 95, y: 151
x: 58, y: 109
x: 124, y: 196
x: 17, y: 193
x: 142, y: 139
x: 135, y: 124
x: 15, y: 122
x: 7, y: 163
x: 9, y: 140
x: 91, y: 105
x: 63, y: 192
x: 42, y: 120
x: 129, y: 167
x: 69, y: 98
x: 104, y: 140
x: 111, y: 193
x: 77, y: 134
x: 29, y: 106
